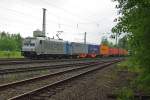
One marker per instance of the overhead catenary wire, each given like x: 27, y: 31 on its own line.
x: 36, y: 17
x: 76, y: 25
x: 66, y: 11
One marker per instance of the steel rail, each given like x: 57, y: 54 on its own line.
x: 27, y: 61
x: 43, y: 76
x: 28, y: 94
x: 27, y: 69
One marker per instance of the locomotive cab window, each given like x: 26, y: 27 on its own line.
x: 32, y: 44
x: 26, y: 44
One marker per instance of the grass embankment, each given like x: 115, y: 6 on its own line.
x: 10, y: 54
x: 128, y: 65
x: 135, y: 87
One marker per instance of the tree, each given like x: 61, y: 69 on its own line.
x: 10, y: 42
x: 135, y: 20
x: 123, y: 43
x: 106, y: 42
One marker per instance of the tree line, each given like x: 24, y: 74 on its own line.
x: 122, y: 43
x: 135, y: 21
x: 10, y: 42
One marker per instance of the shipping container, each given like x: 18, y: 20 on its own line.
x: 104, y: 50
x: 125, y: 52
x: 67, y: 47
x: 93, y: 50
x: 120, y: 52
x: 115, y: 51
x: 80, y: 49
x: 111, y: 51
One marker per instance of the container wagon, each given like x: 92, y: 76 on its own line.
x: 104, y: 50
x: 78, y: 49
x: 93, y: 51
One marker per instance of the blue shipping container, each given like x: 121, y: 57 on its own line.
x: 93, y: 49
x: 79, y: 48
x: 68, y: 48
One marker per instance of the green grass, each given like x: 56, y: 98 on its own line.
x: 138, y: 84
x: 10, y: 54
x: 128, y: 65
x: 125, y: 94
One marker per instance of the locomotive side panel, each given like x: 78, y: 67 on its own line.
x: 53, y: 47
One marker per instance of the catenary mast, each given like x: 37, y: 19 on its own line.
x: 44, y: 22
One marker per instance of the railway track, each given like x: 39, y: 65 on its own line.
x: 11, y: 59
x: 28, y: 61
x: 37, y: 68
x: 32, y: 88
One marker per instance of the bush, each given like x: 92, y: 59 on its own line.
x: 10, y: 42
x: 129, y: 65
x: 125, y: 94
x: 10, y: 54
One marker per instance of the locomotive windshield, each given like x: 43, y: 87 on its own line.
x: 29, y: 42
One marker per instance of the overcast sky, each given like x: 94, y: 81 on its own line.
x: 74, y: 17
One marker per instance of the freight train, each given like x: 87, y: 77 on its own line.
x: 44, y: 47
